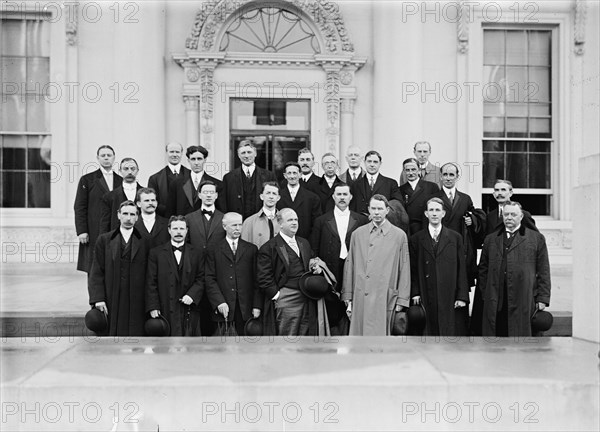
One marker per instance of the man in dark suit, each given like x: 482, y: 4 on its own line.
x: 231, y: 277
x: 354, y: 171
x: 373, y: 183
x: 242, y: 186
x: 117, y: 280
x: 205, y: 230
x: 416, y: 192
x: 175, y: 281
x: 503, y: 191
x: 88, y: 204
x: 514, y: 276
x: 427, y: 170
x: 183, y: 192
x: 438, y: 275
x: 327, y: 183
x: 461, y: 216
x: 281, y: 262
x: 161, y: 181
x: 305, y: 203
x: 126, y: 192
x: 326, y: 242
x: 151, y: 226
x: 308, y: 179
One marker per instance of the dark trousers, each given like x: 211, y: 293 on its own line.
x: 291, y: 313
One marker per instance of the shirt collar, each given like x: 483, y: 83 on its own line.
x: 105, y: 172
x: 515, y: 230
x: 337, y: 212
x: 174, y: 168
x: 177, y: 244
x: 295, y: 188
x: 356, y: 171
x: 212, y: 208
x: 432, y: 230
x: 447, y: 191
x: 197, y: 175
x: 151, y: 216
x: 413, y: 183
x: 249, y: 167
x: 129, y: 186
x: 384, y: 227
x: 287, y: 239
x: 267, y: 213
x: 126, y: 233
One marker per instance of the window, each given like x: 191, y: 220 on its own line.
x: 25, y: 140
x: 517, y: 115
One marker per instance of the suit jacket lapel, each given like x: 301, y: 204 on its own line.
x: 427, y: 243
x: 516, y: 241
x: 170, y: 256
x: 303, y: 253
x: 282, y: 251
x: 333, y: 226
x: 456, y: 199
x: 442, y: 240
x: 188, y: 188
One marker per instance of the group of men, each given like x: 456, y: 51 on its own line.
x: 209, y: 255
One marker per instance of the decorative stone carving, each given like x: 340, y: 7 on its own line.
x: 346, y: 78
x: 324, y: 13
x: 206, y: 85
x: 332, y: 87
x: 347, y: 105
x: 579, y: 27
x: 463, y: 28
x: 72, y: 23
x: 192, y: 74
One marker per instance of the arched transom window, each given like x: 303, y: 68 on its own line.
x: 269, y: 30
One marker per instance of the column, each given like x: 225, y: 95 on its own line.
x: 192, y: 120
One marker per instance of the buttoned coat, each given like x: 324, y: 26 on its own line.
x: 362, y: 193
x: 272, y: 274
x: 415, y: 203
x: 159, y: 182
x: 88, y: 212
x: 104, y: 282
x: 376, y: 278
x: 255, y: 229
x: 232, y: 197
x: 346, y: 178
x: 447, y: 262
x: 183, y: 196
x: 325, y: 193
x: 199, y: 237
x: 230, y: 278
x: 159, y: 234
x: 312, y: 184
x: 527, y: 278
x: 306, y: 205
x: 165, y: 286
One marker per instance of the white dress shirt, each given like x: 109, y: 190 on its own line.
x: 450, y: 191
x: 291, y: 241
x: 177, y: 254
x: 293, y: 191
x: 130, y: 189
x: 342, y: 219
x: 149, y: 220
x: 175, y: 168
x: 108, y: 177
x: 126, y: 233
x: 249, y: 168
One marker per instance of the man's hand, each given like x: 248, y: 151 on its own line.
x: 154, y: 313
x: 84, y: 238
x: 459, y: 304
x: 416, y: 300
x: 101, y: 306
x: 223, y: 309
x: 541, y: 306
x: 255, y: 312
x: 186, y: 300
x: 468, y: 221
x: 398, y: 308
x: 348, y: 308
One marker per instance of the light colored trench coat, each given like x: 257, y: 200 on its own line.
x: 376, y: 277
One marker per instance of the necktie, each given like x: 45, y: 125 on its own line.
x: 423, y: 173
x: 196, y: 183
x: 436, y: 234
x: 248, y: 173
x: 372, y: 182
x: 234, y: 247
x: 500, y: 212
x: 177, y: 248
x: 177, y: 251
x: 207, y: 212
x: 175, y: 173
x: 353, y: 177
x: 294, y: 247
x: 451, y: 197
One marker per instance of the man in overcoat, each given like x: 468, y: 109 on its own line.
x: 438, y: 275
x: 231, y: 277
x: 242, y: 186
x: 416, y: 192
x: 162, y: 180
x: 117, y: 281
x: 175, y: 281
x: 127, y: 191
x: 427, y: 170
x: 327, y: 183
x: 330, y: 241
x: 376, y: 273
x: 263, y: 226
x: 355, y: 171
x: 514, y: 276
x: 88, y: 204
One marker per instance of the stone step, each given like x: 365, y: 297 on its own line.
x: 56, y: 324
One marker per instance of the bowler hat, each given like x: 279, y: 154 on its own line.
x: 416, y: 318
x: 253, y: 327
x: 157, y: 326
x: 541, y: 321
x: 96, y: 320
x: 313, y: 286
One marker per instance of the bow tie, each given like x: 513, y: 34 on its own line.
x: 177, y: 248
x: 208, y: 212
